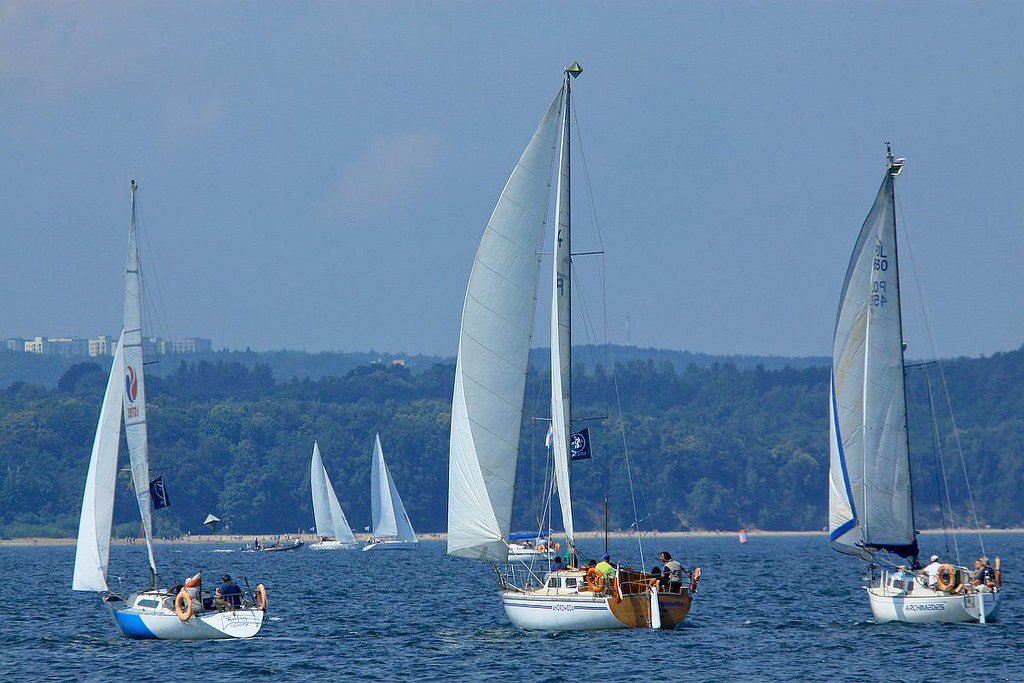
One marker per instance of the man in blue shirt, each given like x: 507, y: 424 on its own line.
x: 230, y: 594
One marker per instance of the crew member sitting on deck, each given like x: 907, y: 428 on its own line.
x: 931, y: 571
x: 229, y: 595
x: 983, y: 573
x: 556, y: 564
x: 606, y: 567
x: 674, y: 570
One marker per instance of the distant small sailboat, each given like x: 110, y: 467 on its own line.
x: 743, y: 536
x: 177, y: 613
x: 871, y: 500
x: 531, y: 545
x: 391, y: 528
x: 331, y: 524
x: 487, y: 404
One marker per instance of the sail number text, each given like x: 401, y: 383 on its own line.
x: 878, y: 287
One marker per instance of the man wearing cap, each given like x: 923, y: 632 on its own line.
x: 605, y: 567
x: 229, y: 595
x: 931, y: 571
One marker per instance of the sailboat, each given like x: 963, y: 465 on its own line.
x: 177, y: 613
x: 391, y: 528
x: 871, y: 498
x: 331, y: 525
x: 487, y: 403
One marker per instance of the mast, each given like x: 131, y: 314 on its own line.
x: 135, y: 386
x: 561, y: 316
x: 895, y: 168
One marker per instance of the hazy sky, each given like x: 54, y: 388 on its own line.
x: 318, y: 175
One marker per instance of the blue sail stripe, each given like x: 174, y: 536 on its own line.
x: 842, y: 529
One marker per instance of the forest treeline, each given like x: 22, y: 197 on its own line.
x: 714, y: 446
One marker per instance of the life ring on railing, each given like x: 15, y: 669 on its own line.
x: 948, y: 578
x: 694, y: 580
x: 558, y: 546
x: 261, y: 597
x: 183, y: 605
x: 595, y: 580
x: 541, y: 548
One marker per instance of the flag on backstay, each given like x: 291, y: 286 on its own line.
x: 158, y: 492
x: 580, y: 445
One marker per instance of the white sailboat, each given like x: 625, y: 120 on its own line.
x: 391, y: 528
x: 871, y: 502
x: 331, y: 525
x: 152, y: 612
x: 487, y: 405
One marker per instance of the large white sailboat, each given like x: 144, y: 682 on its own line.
x: 391, y: 528
x: 487, y: 404
x: 871, y: 501
x: 177, y: 613
x: 331, y: 524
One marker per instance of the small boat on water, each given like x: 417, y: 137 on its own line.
x: 487, y: 407
x: 531, y: 545
x: 174, y: 613
x: 871, y: 498
x: 391, y: 528
x: 331, y: 524
x: 275, y: 547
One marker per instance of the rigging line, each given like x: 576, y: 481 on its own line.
x: 937, y: 446
x: 942, y: 374
x: 161, y: 310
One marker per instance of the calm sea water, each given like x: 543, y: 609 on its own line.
x: 775, y: 609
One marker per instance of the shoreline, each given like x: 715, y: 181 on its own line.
x: 243, y: 539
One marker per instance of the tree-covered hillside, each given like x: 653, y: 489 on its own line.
x: 715, y: 447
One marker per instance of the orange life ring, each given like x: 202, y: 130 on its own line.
x: 948, y: 578
x: 183, y: 605
x: 595, y: 580
x: 541, y: 548
x: 694, y: 580
x: 261, y: 597
x: 558, y: 546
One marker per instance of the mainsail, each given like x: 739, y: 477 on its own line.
x: 389, y: 518
x: 870, y: 500
x: 327, y: 513
x: 135, y: 385
x: 93, y: 548
x: 494, y: 344
x: 561, y: 328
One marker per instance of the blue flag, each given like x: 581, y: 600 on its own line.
x: 158, y: 492
x: 580, y: 445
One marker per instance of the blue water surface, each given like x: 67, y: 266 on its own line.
x: 776, y: 609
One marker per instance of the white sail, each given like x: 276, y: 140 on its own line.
x: 93, y: 548
x: 318, y: 487
x: 561, y: 329
x: 870, y: 504
x: 494, y: 344
x: 135, y: 385
x: 389, y: 518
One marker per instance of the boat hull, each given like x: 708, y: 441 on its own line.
x: 392, y: 545
x: 332, y: 545
x: 545, y: 612
x: 935, y: 608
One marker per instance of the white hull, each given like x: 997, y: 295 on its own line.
x: 544, y: 612
x: 933, y: 607
x: 332, y: 545
x: 161, y: 623
x: 527, y: 554
x: 391, y: 545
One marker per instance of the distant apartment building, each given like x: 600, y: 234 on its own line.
x: 191, y: 345
x: 102, y: 345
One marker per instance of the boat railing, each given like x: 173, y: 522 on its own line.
x: 517, y: 576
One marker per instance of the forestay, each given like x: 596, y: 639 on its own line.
x: 494, y: 343
x: 93, y: 548
x: 870, y: 504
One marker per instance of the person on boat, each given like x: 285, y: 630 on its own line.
x: 983, y: 573
x: 674, y: 571
x: 931, y: 571
x: 656, y: 578
x: 606, y: 567
x: 228, y: 595
x: 556, y: 564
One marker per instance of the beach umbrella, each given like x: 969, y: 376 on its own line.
x: 212, y: 521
